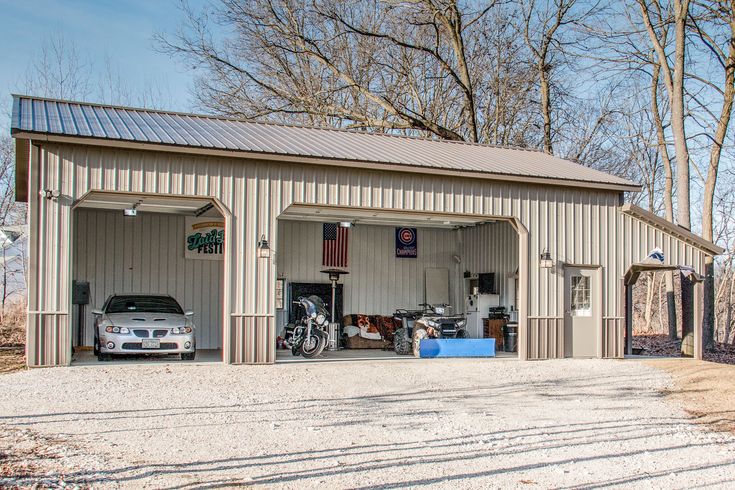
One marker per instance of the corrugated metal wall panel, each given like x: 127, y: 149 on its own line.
x: 491, y: 247
x: 146, y: 255
x: 255, y: 192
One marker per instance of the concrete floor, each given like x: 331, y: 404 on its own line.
x: 87, y: 358
x: 284, y: 356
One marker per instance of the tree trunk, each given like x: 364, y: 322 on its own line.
x: 668, y: 193
x: 729, y: 305
x: 678, y: 128
x: 546, y: 107
x: 710, y: 186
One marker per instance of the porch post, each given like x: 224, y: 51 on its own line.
x: 628, y: 319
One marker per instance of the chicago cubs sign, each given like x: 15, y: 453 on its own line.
x: 406, y: 243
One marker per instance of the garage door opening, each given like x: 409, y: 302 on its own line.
x: 143, y: 248
x: 396, y: 264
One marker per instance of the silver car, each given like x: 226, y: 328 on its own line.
x: 143, y: 324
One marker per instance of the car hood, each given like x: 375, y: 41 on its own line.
x: 138, y: 319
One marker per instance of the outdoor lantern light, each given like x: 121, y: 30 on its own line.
x: 546, y: 262
x: 264, y: 251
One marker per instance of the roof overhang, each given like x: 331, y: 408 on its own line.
x: 635, y: 270
x: 150, y: 203
x: 386, y: 217
x: 277, y: 157
x: 677, y: 231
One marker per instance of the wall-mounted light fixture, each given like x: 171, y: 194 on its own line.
x: 346, y: 224
x: 546, y: 262
x: 50, y: 193
x: 264, y: 251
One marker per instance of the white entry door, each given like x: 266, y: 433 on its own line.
x: 581, y: 308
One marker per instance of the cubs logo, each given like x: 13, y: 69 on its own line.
x: 406, y: 236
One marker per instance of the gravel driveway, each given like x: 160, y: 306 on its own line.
x: 380, y: 424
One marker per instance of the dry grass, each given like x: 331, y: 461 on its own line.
x: 705, y: 389
x: 13, y: 338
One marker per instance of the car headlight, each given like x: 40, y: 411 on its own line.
x: 181, y: 330
x: 320, y: 319
x: 461, y: 323
x: 432, y: 323
x: 111, y: 329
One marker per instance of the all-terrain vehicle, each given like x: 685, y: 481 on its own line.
x: 432, y: 322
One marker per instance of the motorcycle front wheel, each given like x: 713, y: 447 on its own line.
x: 313, y: 345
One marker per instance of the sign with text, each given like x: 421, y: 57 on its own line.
x: 406, y: 243
x: 205, y: 238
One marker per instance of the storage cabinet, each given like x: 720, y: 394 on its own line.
x: 493, y: 329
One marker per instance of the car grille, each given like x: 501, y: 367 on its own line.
x: 159, y: 333
x: 138, y: 346
x: 141, y: 333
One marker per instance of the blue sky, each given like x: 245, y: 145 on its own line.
x: 121, y: 30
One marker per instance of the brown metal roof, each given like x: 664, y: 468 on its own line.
x: 34, y: 115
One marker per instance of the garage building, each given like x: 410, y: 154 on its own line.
x: 540, y: 226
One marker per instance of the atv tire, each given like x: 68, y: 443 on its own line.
x: 402, y: 342
x: 418, y: 334
x: 462, y: 334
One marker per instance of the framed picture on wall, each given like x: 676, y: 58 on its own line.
x: 280, y: 287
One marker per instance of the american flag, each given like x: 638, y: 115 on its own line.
x: 334, y: 245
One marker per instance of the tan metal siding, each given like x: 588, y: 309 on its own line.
x: 146, y: 255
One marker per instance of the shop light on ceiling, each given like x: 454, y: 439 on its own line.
x: 133, y: 211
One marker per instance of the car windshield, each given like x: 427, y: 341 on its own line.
x: 143, y: 304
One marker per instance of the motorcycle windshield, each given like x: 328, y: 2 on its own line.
x: 316, y: 305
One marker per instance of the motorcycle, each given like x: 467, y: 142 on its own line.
x: 308, y: 338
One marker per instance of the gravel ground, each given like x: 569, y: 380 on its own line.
x: 361, y: 424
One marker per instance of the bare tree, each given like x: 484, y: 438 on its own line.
x: 12, y: 214
x: 58, y: 70
x: 408, y: 66
x: 541, y: 31
x: 668, y: 192
x: 655, y: 20
x: 707, y: 23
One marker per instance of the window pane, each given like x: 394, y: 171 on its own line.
x: 581, y: 296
